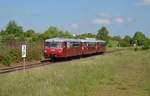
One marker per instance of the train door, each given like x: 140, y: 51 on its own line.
x: 86, y: 47
x: 64, y: 48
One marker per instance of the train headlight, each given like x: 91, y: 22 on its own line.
x: 45, y: 51
x: 59, y: 51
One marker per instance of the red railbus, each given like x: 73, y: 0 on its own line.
x: 101, y: 46
x: 88, y: 46
x: 62, y: 47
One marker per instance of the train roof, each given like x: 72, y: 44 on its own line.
x: 82, y: 40
x: 100, y: 41
x: 71, y: 40
x: 62, y: 40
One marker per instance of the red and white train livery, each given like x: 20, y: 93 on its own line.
x: 62, y: 47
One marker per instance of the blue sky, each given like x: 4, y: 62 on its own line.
x: 121, y: 17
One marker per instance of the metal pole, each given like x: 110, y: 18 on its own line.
x: 24, y: 64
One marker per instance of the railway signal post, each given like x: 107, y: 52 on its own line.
x: 24, y: 55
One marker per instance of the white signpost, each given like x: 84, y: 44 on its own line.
x: 24, y: 54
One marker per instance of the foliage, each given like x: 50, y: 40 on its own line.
x: 117, y: 38
x: 86, y: 35
x: 145, y: 45
x: 53, y: 32
x: 34, y: 55
x: 12, y: 33
x: 103, y: 34
x: 127, y: 39
x: 15, y: 55
x: 138, y: 38
x: 124, y: 44
x: 6, y: 60
x: 29, y: 33
x: 112, y: 43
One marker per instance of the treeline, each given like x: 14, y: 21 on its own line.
x: 139, y: 39
x: 13, y: 36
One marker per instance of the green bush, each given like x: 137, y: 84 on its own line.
x: 1, y: 58
x: 112, y: 43
x: 124, y: 44
x: 145, y: 45
x: 34, y: 55
x: 6, y: 60
x: 15, y: 54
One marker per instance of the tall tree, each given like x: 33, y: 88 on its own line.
x: 86, y: 35
x: 117, y: 38
x: 103, y: 34
x: 29, y: 33
x: 127, y: 38
x: 12, y: 32
x: 139, y: 37
x: 13, y: 28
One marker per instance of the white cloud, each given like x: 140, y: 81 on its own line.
x: 129, y: 19
x: 74, y: 26
x: 105, y: 15
x: 145, y: 2
x: 119, y: 20
x: 101, y: 21
x: 108, y: 15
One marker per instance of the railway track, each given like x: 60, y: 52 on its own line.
x: 42, y: 63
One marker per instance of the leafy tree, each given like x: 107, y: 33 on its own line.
x: 124, y: 44
x: 12, y: 33
x: 103, y: 34
x: 13, y: 28
x: 112, y: 43
x: 139, y: 37
x: 127, y: 38
x: 29, y: 33
x: 117, y: 38
x: 53, y: 32
x: 86, y: 35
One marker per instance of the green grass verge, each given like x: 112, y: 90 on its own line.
x: 124, y: 73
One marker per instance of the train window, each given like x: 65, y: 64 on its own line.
x: 64, y: 44
x: 91, y: 44
x: 47, y: 45
x: 68, y: 44
x: 53, y: 45
x: 101, y: 44
x: 59, y: 45
x: 76, y: 44
x: 73, y: 44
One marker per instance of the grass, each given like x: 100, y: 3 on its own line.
x: 125, y: 73
x: 114, y: 48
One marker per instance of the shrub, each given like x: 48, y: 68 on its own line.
x: 34, y: 55
x: 6, y: 60
x: 1, y: 58
x: 15, y: 54
x: 112, y: 43
x: 145, y: 45
x: 124, y: 44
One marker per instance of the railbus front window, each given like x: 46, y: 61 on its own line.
x: 47, y: 45
x: 53, y: 45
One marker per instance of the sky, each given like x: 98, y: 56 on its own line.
x: 121, y: 17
